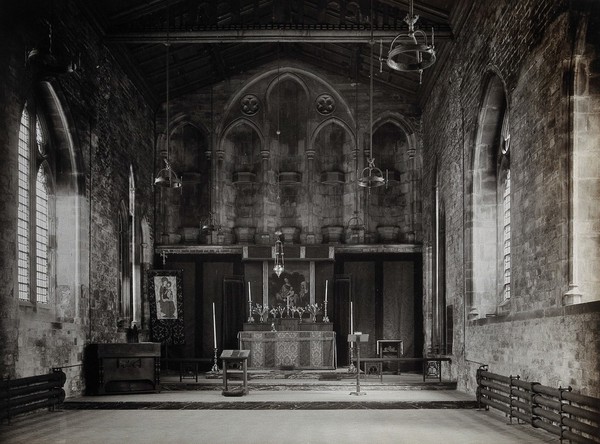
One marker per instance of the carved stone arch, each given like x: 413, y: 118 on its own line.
x: 176, y: 123
x: 301, y: 74
x: 237, y: 174
x: 282, y: 76
x: 400, y: 121
x: 64, y: 140
x: 186, y: 119
x: 239, y: 121
x: 68, y: 189
x: 482, y: 219
x: 332, y: 121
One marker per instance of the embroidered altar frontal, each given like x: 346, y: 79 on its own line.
x: 300, y: 349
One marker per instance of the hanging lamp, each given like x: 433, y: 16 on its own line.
x: 371, y: 176
x: 411, y: 51
x: 167, y: 177
x: 279, y: 266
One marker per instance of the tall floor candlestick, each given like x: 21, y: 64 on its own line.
x: 351, y: 367
x: 325, y: 317
x: 214, y: 327
x: 215, y: 367
x: 250, y: 317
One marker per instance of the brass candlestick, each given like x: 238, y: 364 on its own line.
x: 250, y: 317
x: 215, y: 368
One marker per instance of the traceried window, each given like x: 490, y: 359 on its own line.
x: 506, y: 231
x: 42, y: 227
x: 124, y: 262
x: 34, y: 210
x: 504, y: 223
x: 23, y: 216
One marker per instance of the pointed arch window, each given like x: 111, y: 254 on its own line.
x: 35, y: 209
x: 23, y: 234
x: 504, y: 201
x: 124, y: 263
x: 42, y: 235
x: 490, y: 270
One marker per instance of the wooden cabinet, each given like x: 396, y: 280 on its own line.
x: 122, y: 368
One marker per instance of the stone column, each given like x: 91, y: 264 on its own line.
x: 310, y: 237
x: 262, y: 233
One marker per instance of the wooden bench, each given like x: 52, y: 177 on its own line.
x: 188, y: 365
x: 23, y: 395
x: 430, y: 364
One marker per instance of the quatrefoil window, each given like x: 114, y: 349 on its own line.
x: 325, y: 104
x: 250, y: 104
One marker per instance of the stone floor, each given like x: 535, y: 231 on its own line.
x: 302, y: 411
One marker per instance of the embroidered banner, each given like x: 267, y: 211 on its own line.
x: 166, y: 306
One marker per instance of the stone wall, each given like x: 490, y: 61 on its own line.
x: 106, y: 126
x: 322, y: 149
x: 528, y: 46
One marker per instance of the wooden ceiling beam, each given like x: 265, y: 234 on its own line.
x: 263, y: 36
x: 421, y: 9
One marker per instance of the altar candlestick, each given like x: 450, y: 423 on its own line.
x: 249, y: 293
x: 325, y: 317
x: 214, y: 327
x: 351, y: 320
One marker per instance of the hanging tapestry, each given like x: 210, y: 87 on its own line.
x: 166, y: 306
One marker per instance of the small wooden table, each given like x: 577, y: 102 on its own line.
x: 235, y: 357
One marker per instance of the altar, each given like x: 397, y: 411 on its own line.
x: 302, y: 350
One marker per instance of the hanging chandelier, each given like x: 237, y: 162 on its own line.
x: 167, y: 177
x: 412, y: 52
x: 278, y: 268
x: 371, y: 176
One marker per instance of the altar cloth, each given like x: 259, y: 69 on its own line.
x: 305, y: 350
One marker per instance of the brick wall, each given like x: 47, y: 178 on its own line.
x: 527, y: 45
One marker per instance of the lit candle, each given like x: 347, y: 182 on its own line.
x: 249, y: 293
x: 351, y: 320
x: 214, y: 326
x: 326, y: 281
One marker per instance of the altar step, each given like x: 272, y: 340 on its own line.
x: 281, y: 380
x: 256, y: 399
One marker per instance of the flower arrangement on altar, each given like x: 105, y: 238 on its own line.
x: 314, y: 310
x: 262, y: 311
